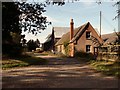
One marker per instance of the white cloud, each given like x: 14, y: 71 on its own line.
x: 88, y: 2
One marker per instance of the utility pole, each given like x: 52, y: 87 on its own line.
x: 100, y: 23
x: 119, y: 29
x: 119, y: 16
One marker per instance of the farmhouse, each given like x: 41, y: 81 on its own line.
x: 84, y: 38
x: 54, y: 37
x: 49, y: 43
x: 59, y: 32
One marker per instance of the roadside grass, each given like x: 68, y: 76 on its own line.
x: 108, y: 68
x: 22, y: 61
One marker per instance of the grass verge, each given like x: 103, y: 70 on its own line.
x: 22, y: 61
x: 107, y: 68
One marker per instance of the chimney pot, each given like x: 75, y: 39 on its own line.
x: 71, y: 20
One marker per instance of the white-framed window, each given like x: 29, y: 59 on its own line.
x: 88, y: 35
x: 88, y: 48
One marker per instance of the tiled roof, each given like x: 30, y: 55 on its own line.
x: 77, y: 33
x: 59, y: 31
x: 109, y: 38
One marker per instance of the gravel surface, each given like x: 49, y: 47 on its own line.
x: 59, y: 73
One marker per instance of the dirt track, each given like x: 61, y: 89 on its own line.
x: 59, y: 73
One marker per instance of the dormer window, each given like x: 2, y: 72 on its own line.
x: 88, y: 35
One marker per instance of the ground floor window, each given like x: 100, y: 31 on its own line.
x: 88, y: 48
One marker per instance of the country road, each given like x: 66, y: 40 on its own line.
x: 59, y: 73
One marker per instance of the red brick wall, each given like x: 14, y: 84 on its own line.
x: 82, y: 42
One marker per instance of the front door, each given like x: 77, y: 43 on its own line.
x: 95, y: 52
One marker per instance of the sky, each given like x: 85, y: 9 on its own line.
x: 81, y: 13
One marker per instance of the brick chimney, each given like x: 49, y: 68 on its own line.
x: 71, y: 29
x: 71, y: 36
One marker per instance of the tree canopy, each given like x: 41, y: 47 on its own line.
x: 16, y: 17
x: 32, y: 45
x: 31, y: 18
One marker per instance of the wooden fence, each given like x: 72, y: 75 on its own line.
x: 109, y: 53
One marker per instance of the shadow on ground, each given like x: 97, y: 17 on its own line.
x: 59, y: 73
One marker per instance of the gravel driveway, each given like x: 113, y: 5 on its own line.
x: 59, y: 73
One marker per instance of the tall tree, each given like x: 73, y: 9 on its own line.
x: 16, y: 17
x: 10, y: 28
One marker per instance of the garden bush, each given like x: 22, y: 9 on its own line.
x: 85, y: 55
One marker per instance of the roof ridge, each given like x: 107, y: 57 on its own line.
x: 81, y: 28
x: 76, y: 32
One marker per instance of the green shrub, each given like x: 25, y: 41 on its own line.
x: 85, y: 55
x: 67, y: 48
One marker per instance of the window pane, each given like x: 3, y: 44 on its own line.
x: 88, y: 48
x: 88, y: 35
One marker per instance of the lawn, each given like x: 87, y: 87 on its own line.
x: 107, y: 67
x: 22, y: 61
